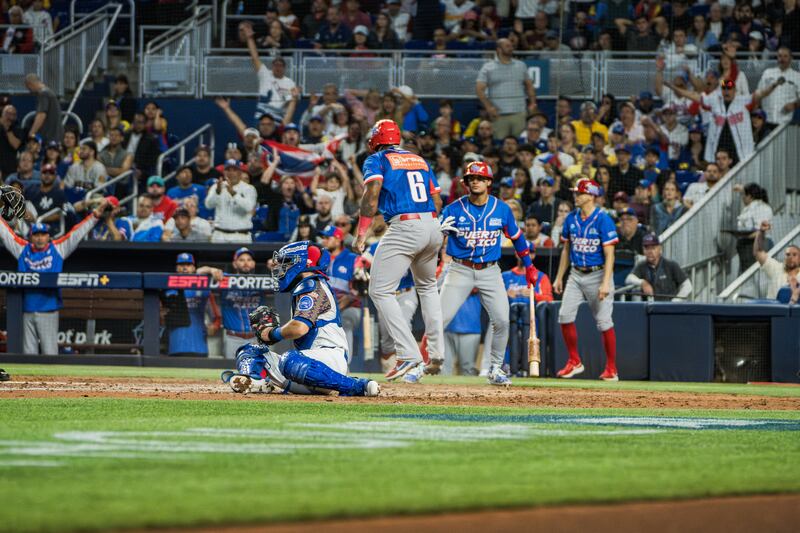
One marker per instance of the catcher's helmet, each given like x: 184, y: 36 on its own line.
x: 296, y: 258
x: 478, y: 168
x: 384, y: 133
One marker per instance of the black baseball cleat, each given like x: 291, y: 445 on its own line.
x: 4, y: 376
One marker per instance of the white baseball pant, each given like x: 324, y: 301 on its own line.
x: 41, y: 331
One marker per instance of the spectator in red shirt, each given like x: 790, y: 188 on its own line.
x: 352, y: 15
x: 163, y: 206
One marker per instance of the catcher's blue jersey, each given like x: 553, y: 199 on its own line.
x: 480, y: 229
x: 587, y: 237
x: 408, y: 182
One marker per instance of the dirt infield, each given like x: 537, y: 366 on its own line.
x: 728, y: 515
x: 445, y: 395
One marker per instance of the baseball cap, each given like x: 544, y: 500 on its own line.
x: 587, y: 186
x: 113, y: 200
x: 627, y: 211
x: 547, y: 180
x: 622, y: 148
x: 251, y: 131
x: 695, y: 128
x: 332, y: 231
x: 651, y: 239
x: 508, y: 181
x: 406, y: 91
x: 318, y: 118
x: 39, y: 227
x: 112, y: 103
x: 621, y: 195
x: 471, y: 156
x: 158, y: 180
x: 424, y: 132
x: 757, y: 35
x: 182, y: 212
x: 48, y: 169
x: 759, y: 113
x: 291, y: 126
x: 668, y: 109
x: 361, y: 29
x: 645, y: 183
x: 645, y: 95
x: 185, y: 259
x: 619, y: 129
x: 471, y: 139
x: 54, y: 145
x: 242, y: 250
x: 231, y: 163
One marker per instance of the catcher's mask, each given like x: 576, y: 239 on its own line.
x: 295, y: 258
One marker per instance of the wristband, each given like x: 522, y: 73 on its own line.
x: 275, y: 335
x: 363, y: 225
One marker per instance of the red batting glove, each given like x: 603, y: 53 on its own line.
x: 530, y: 275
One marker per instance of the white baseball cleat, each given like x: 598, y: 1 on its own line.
x: 498, y: 377
x: 240, y: 383
x: 372, y: 389
x: 570, y: 370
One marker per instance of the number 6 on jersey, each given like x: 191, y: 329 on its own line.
x: 416, y: 182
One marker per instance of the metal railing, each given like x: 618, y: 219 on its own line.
x: 14, y: 67
x: 234, y: 75
x: 697, y: 238
x: 68, y: 115
x: 130, y: 47
x: 752, y: 283
x: 170, y: 62
x: 202, y: 135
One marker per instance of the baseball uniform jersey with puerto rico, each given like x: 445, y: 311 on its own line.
x: 408, y: 182
x: 588, y: 236
x: 480, y: 229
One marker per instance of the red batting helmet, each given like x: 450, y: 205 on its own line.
x: 384, y: 133
x: 587, y: 186
x: 478, y: 168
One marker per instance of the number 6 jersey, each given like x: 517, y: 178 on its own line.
x: 408, y: 182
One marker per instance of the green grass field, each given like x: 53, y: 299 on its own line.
x: 93, y: 463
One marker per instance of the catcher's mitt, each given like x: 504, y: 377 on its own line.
x: 261, y: 318
x: 13, y: 203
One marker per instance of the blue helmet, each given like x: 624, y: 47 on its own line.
x: 296, y: 258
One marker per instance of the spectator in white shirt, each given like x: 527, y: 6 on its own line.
x: 781, y: 104
x: 233, y: 202
x: 88, y: 172
x: 696, y: 191
x: 756, y: 211
x: 399, y: 19
x: 41, y: 21
x: 778, y: 275
x: 454, y: 11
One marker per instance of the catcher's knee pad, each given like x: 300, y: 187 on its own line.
x: 312, y: 373
x: 250, y: 361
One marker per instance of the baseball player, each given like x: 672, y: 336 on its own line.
x: 589, y: 236
x: 191, y: 340
x: 40, y: 306
x: 318, y: 364
x: 403, y: 188
x: 478, y: 222
x: 340, y: 278
x: 237, y: 305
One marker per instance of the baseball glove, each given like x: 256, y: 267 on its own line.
x: 263, y: 317
x: 13, y: 203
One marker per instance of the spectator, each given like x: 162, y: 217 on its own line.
x: 642, y: 201
x: 659, y: 277
x: 579, y: 37
x: 97, y: 133
x: 639, y: 39
x: 40, y: 306
x: 607, y: 114
x: 313, y: 21
x: 88, y: 173
x: 199, y: 226
x: 668, y: 210
x: 238, y: 304
x: 761, y: 128
x: 69, y: 151
x: 17, y: 40
x: 778, y: 275
x: 399, y: 19
x: 414, y: 115
x: 147, y: 226
x: 323, y: 110
x: 111, y: 227
x: 186, y: 188
x: 47, y: 195
x: 48, y: 119
x: 454, y: 11
x: 564, y: 209
x: 701, y: 35
x: 588, y: 124
x: 340, y: 277
x: 552, y: 162
x: 143, y: 145
x: 114, y: 157
x: 631, y: 235
x: 676, y: 134
x: 163, y: 206
x: 233, y: 202
x: 781, y: 104
x: 534, y: 235
x: 333, y: 33
x: 11, y: 137
x: 202, y: 169
x: 323, y: 216
x: 696, y: 191
x: 113, y: 117
x: 288, y: 18
x: 277, y: 37
x: 25, y: 173
x: 502, y: 86
x: 123, y: 98
x: 277, y: 93
x: 756, y: 210
x: 40, y: 20
x: 630, y: 121
x: 383, y: 36
x: 182, y: 230
x: 680, y: 105
x: 462, y: 337
x: 553, y: 47
x: 190, y: 339
x: 352, y: 16
x: 155, y: 122
x: 624, y: 176
x: 546, y: 208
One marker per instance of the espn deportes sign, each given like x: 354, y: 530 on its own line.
x: 260, y: 283
x: 19, y: 279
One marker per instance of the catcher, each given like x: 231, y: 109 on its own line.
x: 318, y: 364
x: 12, y: 203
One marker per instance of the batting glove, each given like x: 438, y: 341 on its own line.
x: 361, y: 274
x: 448, y: 224
x: 531, y: 275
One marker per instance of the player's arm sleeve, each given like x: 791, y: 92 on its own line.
x: 372, y: 169
x: 608, y: 233
x: 13, y: 243
x: 309, y: 306
x: 67, y: 244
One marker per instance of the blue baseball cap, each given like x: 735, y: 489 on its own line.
x: 242, y: 250
x: 40, y: 227
x: 645, y: 95
x: 508, y: 181
x: 628, y: 211
x: 696, y: 128
x: 619, y: 129
x: 291, y: 126
x: 185, y: 259
x: 647, y: 182
x: 547, y: 180
x: 317, y: 118
x: 231, y: 163
x: 332, y: 231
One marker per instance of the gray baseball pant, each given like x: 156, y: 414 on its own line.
x: 410, y: 244
x: 408, y: 304
x: 458, y: 285
x: 230, y: 343
x: 583, y: 287
x: 41, y: 330
x: 351, y: 319
x: 463, y: 349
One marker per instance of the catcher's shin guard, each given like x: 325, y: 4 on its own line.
x: 312, y: 373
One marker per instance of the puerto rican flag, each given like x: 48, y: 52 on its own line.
x: 302, y: 161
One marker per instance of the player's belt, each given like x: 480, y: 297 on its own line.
x: 415, y: 216
x: 588, y: 270
x: 474, y: 266
x: 240, y: 334
x: 221, y: 230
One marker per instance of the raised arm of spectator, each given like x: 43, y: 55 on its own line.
x: 344, y: 177
x: 212, y: 197
x: 13, y: 242
x: 758, y: 244
x: 250, y: 37
x: 760, y: 94
x: 660, y: 65
x: 269, y: 172
x: 225, y: 105
x: 291, y: 107
x: 685, y: 93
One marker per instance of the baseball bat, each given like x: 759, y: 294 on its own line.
x: 366, y: 327
x: 534, y: 357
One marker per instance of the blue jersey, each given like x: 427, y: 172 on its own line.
x: 468, y: 317
x: 192, y: 338
x: 408, y: 182
x: 480, y: 229
x: 123, y: 225
x: 406, y: 282
x: 516, y: 283
x: 340, y: 274
x: 235, y: 308
x: 588, y: 236
x: 198, y: 191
